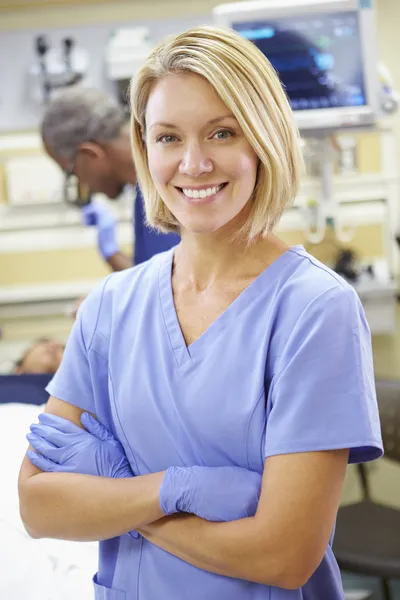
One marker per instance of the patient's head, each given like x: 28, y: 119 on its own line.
x: 43, y: 356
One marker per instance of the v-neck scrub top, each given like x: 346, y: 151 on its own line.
x: 286, y: 368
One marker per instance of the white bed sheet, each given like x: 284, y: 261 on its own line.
x: 34, y: 569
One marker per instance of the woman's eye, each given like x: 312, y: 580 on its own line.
x: 166, y: 139
x: 223, y: 134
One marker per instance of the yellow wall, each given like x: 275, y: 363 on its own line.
x: 106, y: 12
x: 368, y: 152
x: 57, y: 266
x: 50, y: 266
x: 3, y: 191
x: 25, y: 329
x: 367, y: 243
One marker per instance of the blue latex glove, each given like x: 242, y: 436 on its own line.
x: 66, y: 448
x: 98, y: 215
x: 212, y: 493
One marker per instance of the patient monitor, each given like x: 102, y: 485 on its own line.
x: 325, y: 54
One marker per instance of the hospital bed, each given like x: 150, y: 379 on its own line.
x: 33, y: 569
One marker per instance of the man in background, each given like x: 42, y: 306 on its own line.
x: 86, y: 132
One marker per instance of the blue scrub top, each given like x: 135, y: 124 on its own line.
x: 147, y: 241
x: 286, y: 368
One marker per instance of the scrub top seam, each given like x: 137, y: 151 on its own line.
x: 277, y: 376
x: 92, y: 349
x: 98, y: 312
x: 119, y: 419
x: 361, y: 380
x: 261, y: 396
x: 163, y: 317
x: 356, y: 357
x: 321, y: 267
x: 139, y: 570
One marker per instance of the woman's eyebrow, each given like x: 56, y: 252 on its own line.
x: 173, y: 126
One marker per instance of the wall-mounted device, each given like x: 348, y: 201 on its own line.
x: 126, y: 51
x: 56, y: 68
x: 32, y: 180
x: 324, y: 51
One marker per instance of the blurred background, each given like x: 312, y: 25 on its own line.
x: 347, y: 214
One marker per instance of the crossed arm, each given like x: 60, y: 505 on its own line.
x: 284, y: 542
x: 281, y: 545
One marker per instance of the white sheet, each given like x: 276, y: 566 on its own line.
x: 34, y: 569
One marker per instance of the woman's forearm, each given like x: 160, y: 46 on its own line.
x: 233, y: 549
x: 77, y: 507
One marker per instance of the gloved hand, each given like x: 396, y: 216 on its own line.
x: 98, y: 215
x: 212, y: 493
x: 66, y: 448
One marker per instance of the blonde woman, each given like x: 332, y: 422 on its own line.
x: 231, y: 377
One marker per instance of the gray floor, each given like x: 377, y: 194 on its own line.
x: 351, y: 582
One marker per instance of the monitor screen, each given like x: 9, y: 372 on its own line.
x: 318, y: 57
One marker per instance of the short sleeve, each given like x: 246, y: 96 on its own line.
x: 322, y: 396
x: 73, y: 381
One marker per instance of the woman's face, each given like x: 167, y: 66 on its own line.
x: 201, y: 163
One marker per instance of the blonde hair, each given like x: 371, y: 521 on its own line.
x: 249, y: 86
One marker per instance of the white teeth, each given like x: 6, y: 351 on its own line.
x: 190, y: 193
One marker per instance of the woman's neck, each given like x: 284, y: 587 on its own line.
x: 204, y: 260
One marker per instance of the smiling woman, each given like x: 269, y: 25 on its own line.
x: 224, y: 97
x: 202, y: 159
x: 232, y: 375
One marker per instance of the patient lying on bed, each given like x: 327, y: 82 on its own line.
x: 43, y: 356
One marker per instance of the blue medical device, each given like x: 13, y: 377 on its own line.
x: 325, y: 54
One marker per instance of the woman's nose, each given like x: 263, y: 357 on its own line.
x: 195, y: 162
